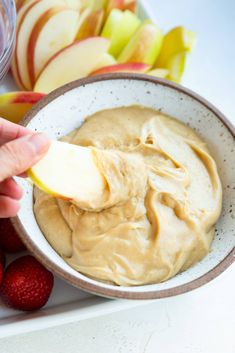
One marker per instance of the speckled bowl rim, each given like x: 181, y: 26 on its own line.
x: 81, y: 283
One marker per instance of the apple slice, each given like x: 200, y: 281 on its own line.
x: 176, y: 66
x: 105, y: 60
x: 14, y: 105
x: 114, y: 4
x: 91, y: 25
x: 55, y: 29
x: 71, y: 63
x: 70, y: 172
x: 130, y: 5
x: 119, y: 28
x: 144, y: 46
x: 19, y: 4
x: 93, y: 4
x: 178, y: 40
x: 25, y: 28
x: 129, y: 67
x: 162, y: 73
x: 20, y: 18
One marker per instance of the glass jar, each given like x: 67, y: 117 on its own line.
x: 7, y: 34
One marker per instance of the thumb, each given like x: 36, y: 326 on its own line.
x: 20, y: 154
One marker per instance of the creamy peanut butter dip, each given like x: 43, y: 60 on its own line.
x: 158, y: 212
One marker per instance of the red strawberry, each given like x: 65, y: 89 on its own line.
x: 2, y: 258
x: 27, y: 284
x: 1, y: 273
x: 9, y: 239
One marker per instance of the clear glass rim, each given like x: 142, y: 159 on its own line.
x: 9, y: 45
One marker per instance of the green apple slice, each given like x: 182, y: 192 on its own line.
x: 119, y: 28
x: 145, y: 45
x: 176, y: 67
x: 69, y: 172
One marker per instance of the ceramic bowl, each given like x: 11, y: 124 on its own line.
x: 64, y: 110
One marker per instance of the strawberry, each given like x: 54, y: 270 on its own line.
x: 27, y: 284
x: 2, y: 258
x: 1, y: 273
x: 9, y: 239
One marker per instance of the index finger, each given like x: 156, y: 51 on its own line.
x: 10, y: 131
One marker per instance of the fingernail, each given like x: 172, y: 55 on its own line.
x: 40, y: 142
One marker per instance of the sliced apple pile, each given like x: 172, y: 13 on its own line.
x: 75, y: 177
x: 58, y: 41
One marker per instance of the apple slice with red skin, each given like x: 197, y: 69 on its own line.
x: 55, y: 29
x: 71, y: 63
x: 122, y: 5
x: 24, y: 31
x: 14, y: 105
x: 114, y: 4
x: 131, y: 5
x: 91, y: 25
x: 20, y: 18
x: 128, y: 67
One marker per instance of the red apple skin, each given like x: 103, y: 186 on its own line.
x: 33, y: 39
x: 129, y: 67
x: 14, y: 105
x: 131, y: 6
x: 27, y: 97
x: 15, y: 67
x: 19, y: 4
x: 114, y: 4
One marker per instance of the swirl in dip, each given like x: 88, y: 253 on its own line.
x: 162, y: 200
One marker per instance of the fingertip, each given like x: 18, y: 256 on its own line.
x: 8, y: 207
x: 10, y: 188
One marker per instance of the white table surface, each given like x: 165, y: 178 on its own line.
x: 202, y: 321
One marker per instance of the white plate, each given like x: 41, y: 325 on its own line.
x: 67, y: 304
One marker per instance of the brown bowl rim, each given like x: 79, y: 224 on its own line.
x: 98, y: 289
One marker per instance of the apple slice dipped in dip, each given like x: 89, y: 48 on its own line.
x: 69, y: 172
x: 89, y: 177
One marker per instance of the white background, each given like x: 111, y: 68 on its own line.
x: 202, y: 321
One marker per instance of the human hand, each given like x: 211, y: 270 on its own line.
x: 20, y: 148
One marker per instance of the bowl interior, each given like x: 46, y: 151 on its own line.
x: 67, y: 111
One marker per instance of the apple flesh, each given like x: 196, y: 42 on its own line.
x: 177, y: 44
x: 176, y: 66
x: 177, y: 40
x: 105, y: 60
x: 54, y: 30
x: 14, y: 105
x: 119, y: 28
x: 129, y: 67
x: 69, y: 172
x: 71, y: 63
x: 91, y: 25
x: 144, y: 46
x: 162, y: 73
